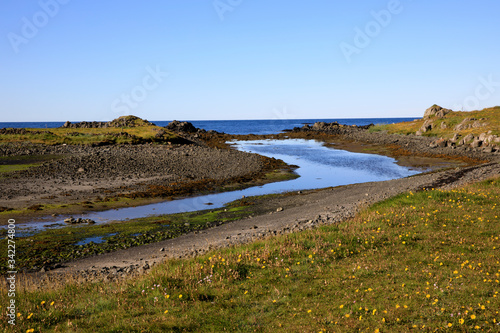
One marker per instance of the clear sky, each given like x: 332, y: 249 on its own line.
x: 245, y: 59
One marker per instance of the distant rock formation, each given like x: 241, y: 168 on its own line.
x: 181, y: 126
x: 125, y: 121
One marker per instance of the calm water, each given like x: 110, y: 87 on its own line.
x: 269, y: 126
x: 319, y: 167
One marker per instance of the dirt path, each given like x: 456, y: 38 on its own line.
x: 307, y: 210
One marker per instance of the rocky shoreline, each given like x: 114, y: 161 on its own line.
x: 86, y: 173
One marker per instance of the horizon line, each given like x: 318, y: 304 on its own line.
x: 190, y: 120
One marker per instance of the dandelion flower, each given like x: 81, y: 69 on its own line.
x: 461, y: 321
x: 309, y: 311
x: 166, y: 311
x: 450, y: 324
x: 30, y: 315
x: 347, y: 315
x: 180, y: 296
x: 341, y: 306
x: 52, y: 303
x: 473, y: 317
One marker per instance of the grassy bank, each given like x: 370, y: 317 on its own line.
x: 421, y: 261
x: 476, y: 122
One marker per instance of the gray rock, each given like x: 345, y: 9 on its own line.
x: 436, y: 111
x: 476, y: 143
x: 427, y: 126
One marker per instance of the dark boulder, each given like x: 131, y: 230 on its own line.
x: 181, y: 126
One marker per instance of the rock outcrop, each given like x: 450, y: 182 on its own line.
x: 436, y: 111
x: 181, y: 126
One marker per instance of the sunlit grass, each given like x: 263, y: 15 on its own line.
x: 489, y: 116
x: 425, y: 261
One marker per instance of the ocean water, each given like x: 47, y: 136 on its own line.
x: 266, y: 126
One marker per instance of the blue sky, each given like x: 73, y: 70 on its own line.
x: 245, y: 59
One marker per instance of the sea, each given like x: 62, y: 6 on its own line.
x: 264, y: 126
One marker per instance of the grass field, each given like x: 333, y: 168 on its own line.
x: 426, y: 261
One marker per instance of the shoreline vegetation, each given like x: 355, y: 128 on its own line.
x: 422, y: 259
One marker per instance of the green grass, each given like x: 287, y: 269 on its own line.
x: 425, y: 261
x: 490, y: 116
x: 89, y: 136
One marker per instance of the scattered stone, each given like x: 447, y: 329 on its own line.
x: 79, y: 220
